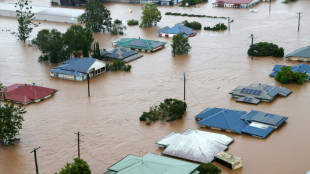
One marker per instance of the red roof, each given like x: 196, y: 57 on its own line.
x: 233, y: 1
x: 25, y: 93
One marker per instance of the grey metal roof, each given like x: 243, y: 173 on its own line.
x: 301, y: 52
x: 194, y: 145
x: 121, y: 53
x: 263, y: 92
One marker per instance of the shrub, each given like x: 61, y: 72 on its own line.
x: 265, y: 49
x: 169, y: 110
x: 118, y: 65
x: 286, y: 75
x: 132, y: 22
x: 208, y: 168
x: 171, y: 3
x: 194, y: 25
x: 217, y: 27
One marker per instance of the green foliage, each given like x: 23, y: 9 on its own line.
x: 286, y: 75
x: 117, y: 27
x: 96, y: 16
x: 52, y: 46
x: 208, y: 168
x: 132, y: 22
x: 96, y: 51
x: 192, y: 2
x: 265, y: 49
x: 287, y: 1
x: 150, y: 15
x: 24, y: 18
x: 169, y: 110
x: 79, y: 166
x: 194, y: 25
x: 217, y: 27
x: 78, y: 38
x: 11, y: 118
x: 118, y: 65
x: 193, y: 15
x: 180, y: 44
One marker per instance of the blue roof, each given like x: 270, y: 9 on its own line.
x: 207, y: 113
x: 226, y: 119
x: 303, y: 68
x: 178, y: 28
x: 265, y: 118
x: 71, y: 60
x: 257, y: 132
x: 80, y: 65
x: 60, y: 71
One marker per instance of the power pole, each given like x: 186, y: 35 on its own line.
x: 252, y: 37
x: 228, y: 23
x: 184, y: 84
x: 269, y: 6
x: 35, y: 159
x: 88, y: 84
x: 298, y: 20
x: 78, y: 140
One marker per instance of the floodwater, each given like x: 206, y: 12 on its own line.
x: 216, y: 64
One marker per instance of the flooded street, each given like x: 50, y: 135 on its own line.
x: 216, y: 64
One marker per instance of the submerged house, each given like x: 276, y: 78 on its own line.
x: 302, y: 68
x: 140, y: 44
x: 178, y: 28
x: 152, y: 164
x: 26, y: 93
x: 302, y: 54
x: 255, y: 93
x: 120, y: 53
x: 255, y: 123
x: 235, y: 3
x: 77, y: 69
x: 194, y: 145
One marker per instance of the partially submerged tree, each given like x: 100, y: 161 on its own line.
x: 96, y: 51
x: 117, y: 27
x: 78, y: 39
x: 25, y: 20
x: 96, y: 16
x: 208, y: 168
x: 11, y: 119
x: 286, y: 75
x: 194, y: 25
x: 150, y: 15
x: 180, y: 44
x: 79, y: 166
x: 52, y: 45
x: 265, y: 49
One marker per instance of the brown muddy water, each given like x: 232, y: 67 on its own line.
x: 108, y: 119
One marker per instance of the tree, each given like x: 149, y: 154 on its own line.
x: 180, y: 44
x: 24, y: 18
x: 78, y: 39
x: 96, y: 52
x: 11, y: 118
x: 79, y: 166
x: 117, y: 27
x: 150, y: 15
x: 194, y: 25
x: 96, y: 16
x: 52, y: 45
x: 265, y: 49
x: 208, y: 168
x: 286, y: 75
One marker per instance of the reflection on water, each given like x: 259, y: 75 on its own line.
x: 108, y: 119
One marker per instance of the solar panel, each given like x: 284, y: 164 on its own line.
x: 123, y: 49
x: 286, y: 91
x: 247, y: 99
x: 268, y: 88
x: 251, y: 91
x: 259, y: 92
x: 129, y: 53
x: 273, y: 92
x: 270, y: 119
x: 138, y: 43
x: 156, y: 44
x: 114, y: 51
x: 112, y: 55
x: 243, y: 90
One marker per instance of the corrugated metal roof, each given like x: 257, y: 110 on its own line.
x: 235, y: 1
x: 207, y: 113
x: 303, y: 68
x: 194, y: 145
x: 226, y: 119
x: 152, y: 164
x: 138, y: 43
x: 81, y: 65
x: 178, y: 28
x: 265, y: 118
x: 61, y: 71
x: 255, y: 131
x: 301, y: 52
x: 121, y: 53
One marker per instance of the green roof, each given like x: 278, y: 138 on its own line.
x: 139, y: 43
x: 152, y: 164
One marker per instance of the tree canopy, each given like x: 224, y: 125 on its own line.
x: 79, y: 166
x: 208, y: 168
x: 11, y: 119
x: 194, y: 25
x: 169, y: 110
x: 265, y: 49
x: 180, y: 44
x: 25, y: 20
x: 117, y: 27
x: 286, y: 75
x: 78, y: 39
x: 150, y: 15
x: 96, y: 16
